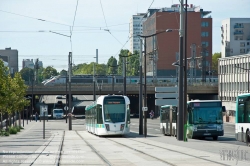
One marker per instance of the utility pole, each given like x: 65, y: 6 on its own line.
x: 70, y: 98
x: 180, y: 117
x: 145, y: 87
x: 124, y: 76
x: 140, y: 93
x: 66, y: 105
x: 94, y: 97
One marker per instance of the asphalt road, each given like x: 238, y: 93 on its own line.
x: 153, y: 127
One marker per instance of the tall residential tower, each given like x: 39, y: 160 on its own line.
x: 135, y: 28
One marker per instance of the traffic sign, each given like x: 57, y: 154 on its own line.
x: 166, y: 102
x: 167, y: 89
x: 144, y: 108
x: 66, y: 108
x: 166, y: 96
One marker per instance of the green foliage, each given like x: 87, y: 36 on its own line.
x: 215, y: 58
x: 112, y: 67
x: 63, y: 73
x: 27, y: 74
x: 6, y: 133
x: 49, y: 72
x: 12, y: 130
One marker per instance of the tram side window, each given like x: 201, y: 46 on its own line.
x: 128, y: 114
x: 163, y: 116
x: 99, y: 114
x: 241, y: 113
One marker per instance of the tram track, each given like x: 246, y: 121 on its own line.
x: 99, y: 154
x: 164, y: 149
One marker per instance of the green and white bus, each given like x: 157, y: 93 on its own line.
x: 168, y: 118
x: 242, y: 118
x: 205, y: 119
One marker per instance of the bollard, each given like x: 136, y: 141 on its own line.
x: 185, y: 133
x: 70, y: 121
x: 44, y: 125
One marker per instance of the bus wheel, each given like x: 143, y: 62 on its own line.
x: 248, y: 138
x: 215, y: 137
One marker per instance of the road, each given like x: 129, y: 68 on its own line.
x: 153, y: 127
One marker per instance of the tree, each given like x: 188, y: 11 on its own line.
x: 26, y: 74
x: 49, y: 72
x: 3, y: 77
x: 123, y: 53
x: 215, y: 58
x: 112, y: 66
x: 63, y: 73
x: 19, y: 89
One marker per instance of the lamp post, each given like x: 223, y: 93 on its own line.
x: 66, y: 103
x: 113, y: 81
x: 145, y: 76
x: 70, y: 98
x: 248, y: 71
x: 32, y: 95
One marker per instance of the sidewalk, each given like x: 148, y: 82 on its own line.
x: 83, y: 148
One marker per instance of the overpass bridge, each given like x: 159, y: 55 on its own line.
x: 132, y: 89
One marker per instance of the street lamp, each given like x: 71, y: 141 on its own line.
x: 145, y: 79
x: 248, y: 70
x: 113, y: 81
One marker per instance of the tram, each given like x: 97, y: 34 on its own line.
x: 108, y: 115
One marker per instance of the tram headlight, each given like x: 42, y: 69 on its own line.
x: 219, y: 127
x: 107, y: 127
x: 122, y: 127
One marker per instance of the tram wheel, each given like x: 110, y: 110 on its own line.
x: 248, y: 138
x: 215, y: 137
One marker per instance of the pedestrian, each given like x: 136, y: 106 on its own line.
x: 36, y: 116
x: 152, y: 114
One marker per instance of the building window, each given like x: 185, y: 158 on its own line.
x: 248, y: 43
x: 242, y: 44
x: 204, y: 34
x: 204, y: 24
x: 242, y: 50
x: 204, y: 43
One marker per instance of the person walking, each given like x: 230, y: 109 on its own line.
x: 152, y: 114
x: 36, y: 116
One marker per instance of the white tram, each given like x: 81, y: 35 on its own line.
x: 108, y: 115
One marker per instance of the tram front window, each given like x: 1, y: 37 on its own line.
x: 114, y: 113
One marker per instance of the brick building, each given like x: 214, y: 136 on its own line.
x: 199, y: 32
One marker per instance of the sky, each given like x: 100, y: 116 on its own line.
x: 28, y: 26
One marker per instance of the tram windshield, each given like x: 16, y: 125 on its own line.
x: 114, y: 110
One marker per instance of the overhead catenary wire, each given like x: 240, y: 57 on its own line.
x: 132, y: 35
x: 107, y: 24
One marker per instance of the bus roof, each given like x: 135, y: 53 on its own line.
x: 167, y: 106
x: 244, y: 94
x: 207, y: 101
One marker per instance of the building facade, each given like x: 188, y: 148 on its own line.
x: 11, y: 57
x: 233, y: 78
x: 135, y: 28
x: 29, y: 63
x: 163, y: 49
x: 235, y: 36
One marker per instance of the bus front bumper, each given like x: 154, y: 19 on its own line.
x: 207, y: 133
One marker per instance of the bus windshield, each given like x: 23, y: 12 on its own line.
x: 58, y: 111
x: 207, y: 115
x: 114, y: 111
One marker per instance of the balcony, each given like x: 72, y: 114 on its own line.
x: 222, y: 28
x: 238, y: 26
x: 238, y: 33
x: 222, y: 35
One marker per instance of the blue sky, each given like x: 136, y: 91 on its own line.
x: 23, y: 30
